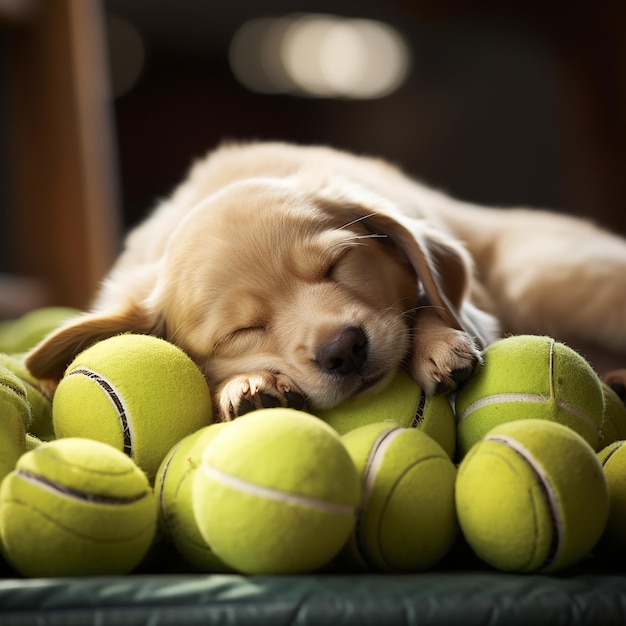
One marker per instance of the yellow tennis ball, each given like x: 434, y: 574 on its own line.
x: 407, y: 520
x: 36, y: 394
x: 14, y: 415
x: 531, y: 497
x: 173, y: 491
x: 613, y: 460
x: 76, y: 507
x: 529, y: 376
x: 613, y: 426
x: 32, y: 442
x: 401, y: 401
x: 23, y: 333
x: 276, y: 493
x: 137, y: 393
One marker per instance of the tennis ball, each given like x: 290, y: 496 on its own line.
x: 613, y: 460
x: 407, y: 520
x: 36, y: 394
x: 25, y: 332
x: 137, y: 393
x: 525, y: 377
x: 32, y: 442
x: 613, y: 426
x: 14, y: 415
x: 276, y: 493
x: 403, y: 402
x: 76, y: 507
x: 531, y: 497
x: 173, y: 491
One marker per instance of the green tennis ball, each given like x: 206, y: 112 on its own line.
x: 76, y: 507
x: 137, y: 393
x: 14, y: 414
x: 531, y: 497
x: 526, y: 377
x: 407, y: 520
x: 173, y: 490
x: 25, y: 332
x: 32, y: 442
x: 36, y: 394
x: 613, y: 460
x: 402, y: 402
x: 276, y: 493
x: 613, y: 426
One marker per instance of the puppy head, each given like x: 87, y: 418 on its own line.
x: 263, y: 276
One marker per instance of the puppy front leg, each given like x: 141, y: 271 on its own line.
x: 442, y: 357
x: 259, y: 389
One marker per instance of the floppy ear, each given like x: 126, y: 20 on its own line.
x: 443, y: 266
x: 452, y: 275
x: 49, y: 359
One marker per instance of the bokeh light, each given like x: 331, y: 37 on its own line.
x: 127, y: 54
x: 320, y: 55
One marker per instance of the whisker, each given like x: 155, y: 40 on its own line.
x: 357, y: 220
x: 427, y: 306
x: 355, y: 240
x: 396, y: 307
x: 370, y: 236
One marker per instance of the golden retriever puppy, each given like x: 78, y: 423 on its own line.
x: 300, y: 276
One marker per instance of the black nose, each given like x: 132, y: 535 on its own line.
x: 345, y: 354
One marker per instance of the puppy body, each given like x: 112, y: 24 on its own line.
x: 303, y: 274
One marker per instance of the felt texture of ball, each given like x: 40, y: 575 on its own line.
x: 407, y: 520
x: 32, y: 442
x: 25, y: 332
x: 613, y: 426
x: 401, y: 401
x: 76, y: 507
x: 39, y: 399
x: 137, y: 393
x: 613, y: 460
x: 173, y: 491
x: 14, y: 415
x: 276, y: 493
x: 528, y: 376
x: 531, y: 496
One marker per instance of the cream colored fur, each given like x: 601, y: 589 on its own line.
x: 297, y: 275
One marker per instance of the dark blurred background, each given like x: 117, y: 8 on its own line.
x: 104, y: 105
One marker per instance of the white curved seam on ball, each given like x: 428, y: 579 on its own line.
x: 166, y: 467
x: 58, y: 489
x: 261, y: 491
x: 537, y: 467
x: 375, y: 461
x: 533, y: 398
x: 117, y: 400
x: 578, y: 414
x: 370, y: 472
x: 497, y: 398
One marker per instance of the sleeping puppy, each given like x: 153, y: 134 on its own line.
x: 301, y: 276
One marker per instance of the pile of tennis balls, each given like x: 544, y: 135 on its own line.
x: 525, y: 465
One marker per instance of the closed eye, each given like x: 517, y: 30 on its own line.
x: 338, y: 252
x: 238, y: 335
x: 329, y: 269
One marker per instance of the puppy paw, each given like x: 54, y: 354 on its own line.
x: 443, y: 360
x: 255, y: 390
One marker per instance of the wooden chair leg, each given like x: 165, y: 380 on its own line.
x: 63, y: 178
